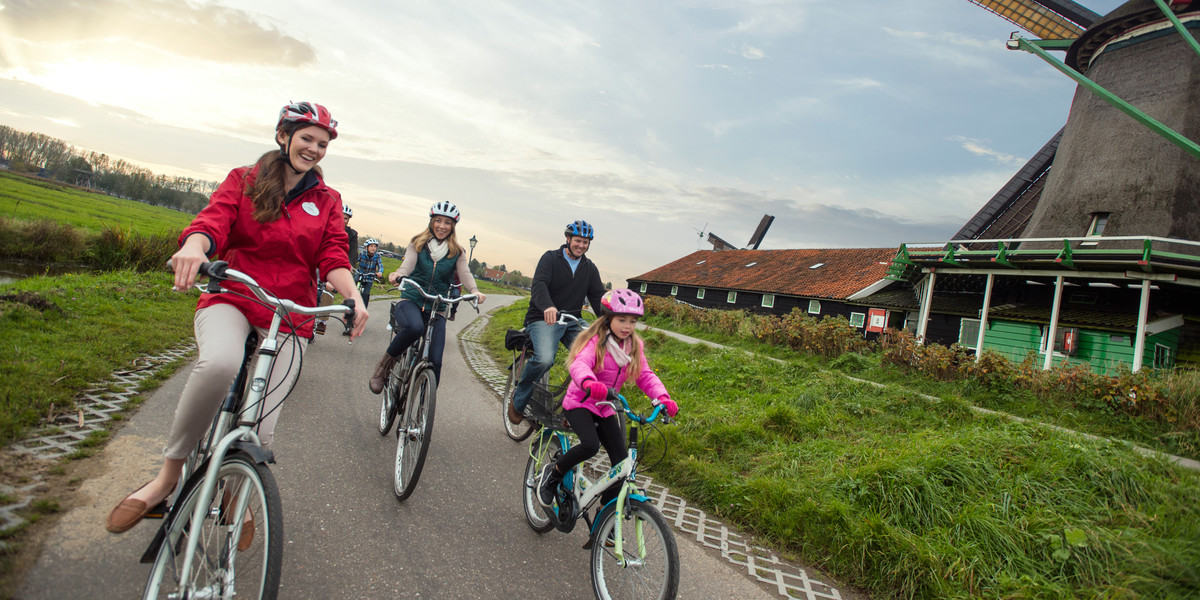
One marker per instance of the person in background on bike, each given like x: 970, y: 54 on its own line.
x: 564, y: 277
x: 352, y: 254
x: 602, y: 358
x: 370, y: 266
x: 432, y: 259
x: 277, y: 222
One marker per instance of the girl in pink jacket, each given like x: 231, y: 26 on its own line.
x: 603, y: 357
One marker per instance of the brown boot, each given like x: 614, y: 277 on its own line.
x: 381, y: 372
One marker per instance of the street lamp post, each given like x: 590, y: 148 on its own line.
x: 471, y: 256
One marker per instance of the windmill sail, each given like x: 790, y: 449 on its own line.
x: 1047, y: 19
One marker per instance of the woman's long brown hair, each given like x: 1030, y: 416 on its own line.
x: 266, y: 190
x: 601, y: 328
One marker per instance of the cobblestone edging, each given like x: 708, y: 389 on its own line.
x: 789, y: 580
x: 61, y: 435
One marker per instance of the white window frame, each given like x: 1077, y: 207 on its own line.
x: 972, y: 340
x: 699, y: 293
x: 768, y: 301
x: 1096, y: 228
x: 861, y: 319
x: 812, y: 304
x: 731, y: 297
x: 642, y: 289
x: 674, y: 290
x: 1042, y: 344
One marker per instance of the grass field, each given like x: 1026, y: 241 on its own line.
x: 912, y: 498
x: 33, y: 199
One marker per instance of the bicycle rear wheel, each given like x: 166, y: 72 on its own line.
x: 232, y: 557
x: 393, y: 392
x: 651, y: 568
x: 520, y: 431
x: 414, y: 432
x: 544, y: 450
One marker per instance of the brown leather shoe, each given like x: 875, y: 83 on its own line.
x: 130, y: 512
x: 247, y: 536
x: 514, y: 417
x: 381, y: 372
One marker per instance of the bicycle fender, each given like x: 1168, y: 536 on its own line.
x: 260, y: 455
x: 632, y: 496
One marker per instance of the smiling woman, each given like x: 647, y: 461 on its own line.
x: 278, y: 223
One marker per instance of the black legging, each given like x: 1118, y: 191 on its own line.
x: 594, y: 431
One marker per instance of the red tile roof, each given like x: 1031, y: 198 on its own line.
x: 843, y: 271
x: 494, y: 274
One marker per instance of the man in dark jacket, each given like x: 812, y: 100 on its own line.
x: 564, y: 278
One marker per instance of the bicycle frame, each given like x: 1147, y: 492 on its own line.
x: 243, y: 435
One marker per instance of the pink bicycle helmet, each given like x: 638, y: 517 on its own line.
x: 308, y: 113
x: 623, y: 301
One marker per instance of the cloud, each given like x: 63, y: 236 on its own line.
x: 978, y: 148
x: 208, y: 32
x: 749, y: 52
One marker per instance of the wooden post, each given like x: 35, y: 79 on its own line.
x: 926, y: 304
x: 1139, y: 344
x: 983, y: 316
x: 1058, y: 286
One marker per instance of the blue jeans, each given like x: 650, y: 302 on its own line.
x: 410, y: 325
x: 365, y: 289
x: 545, y: 340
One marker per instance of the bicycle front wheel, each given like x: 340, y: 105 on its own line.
x: 414, y: 432
x: 650, y: 566
x: 520, y: 431
x: 544, y: 450
x: 234, y: 553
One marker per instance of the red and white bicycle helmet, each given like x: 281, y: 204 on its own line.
x: 623, y: 301
x: 445, y: 209
x: 308, y: 113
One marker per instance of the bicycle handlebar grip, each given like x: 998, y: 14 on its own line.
x: 215, y: 269
x: 349, y: 304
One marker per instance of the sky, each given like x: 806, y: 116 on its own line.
x: 855, y: 124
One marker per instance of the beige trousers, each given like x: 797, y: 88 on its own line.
x: 221, y: 331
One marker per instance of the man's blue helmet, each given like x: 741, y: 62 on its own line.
x: 581, y: 229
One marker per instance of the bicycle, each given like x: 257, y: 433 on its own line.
x: 201, y: 550
x: 522, y: 347
x: 411, y: 387
x: 634, y: 556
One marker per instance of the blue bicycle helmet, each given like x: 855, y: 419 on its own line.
x: 581, y: 229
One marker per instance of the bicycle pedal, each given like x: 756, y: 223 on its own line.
x: 158, y: 511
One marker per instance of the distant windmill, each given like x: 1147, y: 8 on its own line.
x: 700, y: 234
x: 719, y: 243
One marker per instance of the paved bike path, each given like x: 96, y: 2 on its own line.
x: 462, y: 534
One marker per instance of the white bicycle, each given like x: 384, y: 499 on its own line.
x: 223, y: 534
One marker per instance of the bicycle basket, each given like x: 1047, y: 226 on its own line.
x: 545, y: 406
x: 515, y: 339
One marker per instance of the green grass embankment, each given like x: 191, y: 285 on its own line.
x: 64, y: 333
x: 912, y: 498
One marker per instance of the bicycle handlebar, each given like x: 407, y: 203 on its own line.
x: 623, y: 407
x: 473, y: 299
x: 218, y: 271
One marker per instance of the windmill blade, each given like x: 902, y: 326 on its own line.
x: 1046, y: 19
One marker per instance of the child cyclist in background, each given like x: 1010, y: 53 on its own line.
x: 370, y: 266
x: 603, y: 357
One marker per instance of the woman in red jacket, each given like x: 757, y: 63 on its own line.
x: 280, y: 224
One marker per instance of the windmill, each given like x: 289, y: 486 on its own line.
x: 1109, y: 169
x: 700, y: 234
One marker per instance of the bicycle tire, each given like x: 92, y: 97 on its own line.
x: 652, y: 574
x: 393, y: 388
x: 518, y: 432
x: 414, y: 432
x: 218, y: 564
x: 535, y: 515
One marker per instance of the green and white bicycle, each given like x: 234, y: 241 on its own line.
x: 634, y: 554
